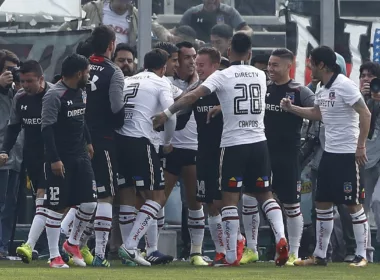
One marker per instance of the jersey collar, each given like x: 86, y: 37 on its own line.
x: 237, y: 63
x: 332, y: 80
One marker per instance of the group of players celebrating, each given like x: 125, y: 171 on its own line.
x: 222, y: 128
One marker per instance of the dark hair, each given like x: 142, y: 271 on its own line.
x: 184, y: 44
x: 213, y: 53
x: 186, y: 30
x: 283, y: 53
x: 168, y: 47
x: 327, y: 56
x: 241, y: 43
x: 123, y: 47
x: 31, y: 66
x: 56, y: 79
x: 8, y: 56
x: 225, y: 62
x: 222, y: 30
x: 260, y: 58
x: 85, y: 48
x: 101, y: 37
x: 73, y: 64
x: 371, y: 67
x: 155, y: 59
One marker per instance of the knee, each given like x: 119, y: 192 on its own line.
x: 88, y: 207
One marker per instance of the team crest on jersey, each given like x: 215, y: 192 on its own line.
x: 347, y: 187
x: 220, y: 19
x: 84, y: 97
x: 290, y: 95
x: 332, y: 95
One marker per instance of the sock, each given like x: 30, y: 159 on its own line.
x: 151, y: 238
x: 127, y: 217
x: 240, y: 237
x: 144, y: 219
x: 53, y: 227
x: 216, y: 231
x: 89, y: 230
x: 38, y: 223
x: 360, y: 225
x: 294, y: 226
x: 230, y: 222
x: 68, y: 220
x: 160, y: 219
x: 251, y: 221
x: 102, y: 227
x: 81, y: 220
x: 324, y: 228
x: 273, y: 212
x: 196, y: 225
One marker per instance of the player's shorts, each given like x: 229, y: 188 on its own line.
x: 338, y: 180
x: 104, y: 164
x: 36, y: 176
x: 76, y: 187
x: 139, y: 163
x: 286, y: 182
x: 208, y: 178
x: 247, y: 165
x: 179, y: 158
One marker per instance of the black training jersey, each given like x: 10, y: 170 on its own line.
x: 283, y: 129
x: 105, y: 99
x: 63, y: 122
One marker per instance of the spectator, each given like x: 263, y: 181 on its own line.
x: 204, y: 16
x: 221, y: 36
x: 124, y: 57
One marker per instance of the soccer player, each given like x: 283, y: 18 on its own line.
x: 26, y: 113
x: 244, y: 157
x: 339, y: 104
x: 145, y: 94
x: 104, y: 113
x: 68, y: 171
x: 284, y: 130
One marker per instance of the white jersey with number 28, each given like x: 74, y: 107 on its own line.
x: 241, y: 91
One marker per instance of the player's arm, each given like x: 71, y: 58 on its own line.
x: 239, y: 24
x: 166, y: 100
x: 310, y: 113
x: 364, y: 121
x: 307, y: 97
x: 116, y: 97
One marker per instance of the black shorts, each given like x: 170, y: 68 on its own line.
x: 104, y: 164
x: 76, y: 187
x: 208, y: 178
x: 338, y: 180
x: 139, y: 163
x: 246, y: 165
x: 179, y: 158
x: 286, y: 182
x: 36, y: 176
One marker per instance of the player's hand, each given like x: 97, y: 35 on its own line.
x: 167, y: 149
x: 3, y: 159
x: 6, y: 79
x: 361, y: 156
x: 286, y: 104
x: 90, y: 150
x: 365, y: 90
x: 213, y: 113
x: 58, y: 169
x: 159, y: 120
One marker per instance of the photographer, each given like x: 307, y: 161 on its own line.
x: 9, y: 172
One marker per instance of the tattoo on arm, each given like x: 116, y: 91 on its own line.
x: 360, y: 105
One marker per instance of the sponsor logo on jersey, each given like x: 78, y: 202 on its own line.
x: 326, y: 103
x: 32, y: 121
x: 332, y: 95
x: 96, y: 67
x: 347, y: 187
x: 299, y: 186
x: 77, y: 112
x: 272, y: 107
x: 119, y: 29
x: 204, y: 109
x: 24, y: 107
x: 262, y: 182
x: 235, y: 182
x: 349, y: 197
x: 268, y: 94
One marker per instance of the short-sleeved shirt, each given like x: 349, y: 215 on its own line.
x: 202, y: 21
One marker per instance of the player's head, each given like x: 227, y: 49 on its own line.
x: 31, y: 77
x: 280, y: 64
x: 207, y: 62
x: 124, y: 57
x: 120, y: 6
x: 221, y: 36
x: 85, y: 48
x: 172, y: 50
x: 322, y: 61
x: 260, y: 61
x: 155, y: 61
x: 76, y: 69
x: 211, y: 5
x: 103, y: 41
x: 186, y: 59
x: 368, y: 71
x: 241, y: 48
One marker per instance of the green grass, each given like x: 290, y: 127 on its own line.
x: 184, y: 271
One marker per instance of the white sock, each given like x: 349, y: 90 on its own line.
x: 160, y: 219
x: 102, y: 227
x: 251, y: 221
x: 196, y: 224
x: 151, y: 238
x: 294, y: 226
x: 89, y: 230
x: 273, y: 212
x: 81, y: 220
x: 216, y: 231
x: 38, y: 223
x: 68, y: 220
x: 230, y: 222
x: 127, y: 217
x: 324, y: 228
x: 53, y: 227
x: 360, y: 225
x: 144, y: 219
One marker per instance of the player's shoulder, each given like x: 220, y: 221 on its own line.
x: 227, y: 9
x: 57, y: 90
x: 343, y: 83
x: 298, y: 86
x: 195, y: 9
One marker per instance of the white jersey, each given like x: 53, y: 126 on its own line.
x: 186, y: 138
x: 340, y: 119
x: 119, y: 23
x: 241, y: 92
x: 145, y: 95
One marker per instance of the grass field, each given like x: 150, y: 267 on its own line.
x: 183, y: 271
